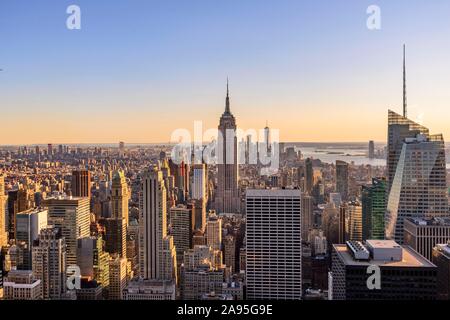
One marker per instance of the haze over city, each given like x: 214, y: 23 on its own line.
x: 138, y: 70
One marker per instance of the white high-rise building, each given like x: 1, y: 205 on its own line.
x: 274, y: 244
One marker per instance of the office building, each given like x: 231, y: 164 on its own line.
x: 373, y: 209
x: 180, y: 229
x: 423, y: 234
x: 90, y: 290
x: 115, y: 236
x: 201, y: 273
x: 229, y: 248
x: 93, y: 261
x: 156, y: 256
x: 342, y: 179
x: 72, y: 216
x: 28, y: 225
x: 21, y: 285
x: 353, y: 221
x: 49, y: 263
x: 274, y: 250
x: 142, y: 289
x: 441, y: 258
x: 307, y: 215
x: 3, y: 233
x: 330, y: 223
x: 309, y: 173
x: 214, y: 231
x: 81, y: 184
x: 227, y: 196
x: 119, y: 196
x: 371, y: 149
x: 117, y: 277
x: 199, y: 181
x: 405, y: 274
x: 419, y: 187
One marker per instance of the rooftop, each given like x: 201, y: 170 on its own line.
x: 273, y: 193
x: 383, y: 244
x: 410, y: 258
x: 432, y: 221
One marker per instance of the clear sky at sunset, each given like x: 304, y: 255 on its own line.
x: 139, y: 69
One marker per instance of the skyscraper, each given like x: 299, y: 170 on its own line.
x: 72, y: 216
x: 180, y: 229
x: 119, y: 196
x: 13, y: 209
x: 353, y: 219
x: 121, y: 149
x: 267, y: 139
x: 229, y: 246
x: 49, y: 263
x: 307, y: 215
x: 342, y: 179
x: 117, y: 278
x: 419, y: 187
x: 330, y: 222
x: 81, y: 183
x: 115, y: 236
x: 199, y: 181
x: 28, y: 225
x: 371, y: 149
x: 3, y: 233
x: 274, y: 249
x: 373, y: 209
x: 153, y: 227
x: 227, y: 197
x: 93, y: 261
x: 214, y: 231
x: 309, y: 173
x: 399, y: 128
x: 199, y: 195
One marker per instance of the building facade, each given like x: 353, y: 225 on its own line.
x: 405, y: 274
x: 227, y: 197
x: 274, y: 249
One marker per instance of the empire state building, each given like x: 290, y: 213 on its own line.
x: 227, y: 197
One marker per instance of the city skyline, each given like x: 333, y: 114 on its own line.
x: 85, y: 86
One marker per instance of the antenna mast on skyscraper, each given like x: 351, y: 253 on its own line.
x: 405, y: 111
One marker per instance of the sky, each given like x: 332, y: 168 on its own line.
x: 140, y: 69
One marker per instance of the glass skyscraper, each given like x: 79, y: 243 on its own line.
x: 417, y: 185
x: 374, y: 209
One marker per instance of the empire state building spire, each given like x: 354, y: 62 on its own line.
x: 227, y: 103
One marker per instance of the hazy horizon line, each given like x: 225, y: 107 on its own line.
x: 168, y: 143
